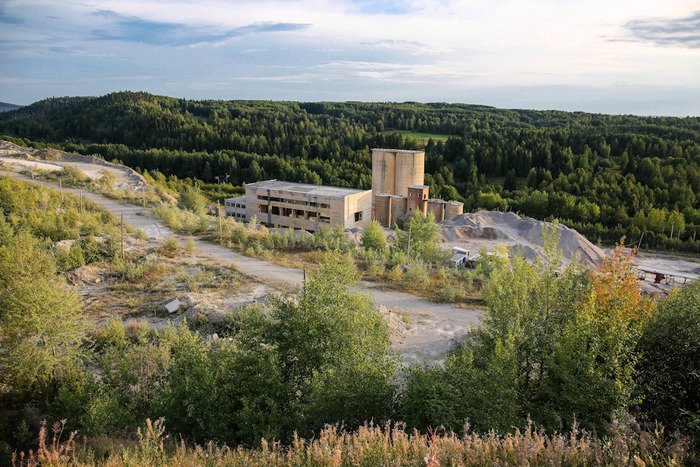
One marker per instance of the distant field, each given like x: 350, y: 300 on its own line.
x: 422, y: 136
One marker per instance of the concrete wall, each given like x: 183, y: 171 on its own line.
x: 388, y: 209
x: 445, y: 210
x: 398, y: 209
x: 383, y: 171
x: 362, y: 203
x: 437, y: 208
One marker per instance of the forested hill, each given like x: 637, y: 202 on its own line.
x: 605, y: 175
x: 4, y: 106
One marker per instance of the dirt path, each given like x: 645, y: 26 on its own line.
x: 432, y: 328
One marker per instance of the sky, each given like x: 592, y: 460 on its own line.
x: 614, y: 56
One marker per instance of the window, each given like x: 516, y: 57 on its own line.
x: 275, y: 210
x: 325, y: 219
x: 358, y: 216
x: 262, y: 208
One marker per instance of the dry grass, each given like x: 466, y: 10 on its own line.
x: 390, y: 445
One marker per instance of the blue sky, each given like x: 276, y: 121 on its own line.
x: 640, y: 56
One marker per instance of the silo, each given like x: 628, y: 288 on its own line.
x: 437, y: 208
x: 410, y: 170
x: 383, y: 171
x: 453, y: 209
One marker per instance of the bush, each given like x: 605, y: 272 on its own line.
x: 417, y: 275
x: 448, y: 293
x: 70, y: 259
x: 191, y: 199
x: 668, y: 381
x: 374, y: 238
x: 170, y: 247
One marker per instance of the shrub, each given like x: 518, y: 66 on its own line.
x: 668, y: 381
x: 374, y: 238
x: 448, y: 293
x: 416, y: 275
x: 70, y: 259
x: 170, y: 247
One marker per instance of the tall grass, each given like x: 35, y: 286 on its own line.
x: 374, y: 445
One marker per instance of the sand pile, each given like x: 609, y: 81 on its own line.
x: 517, y: 233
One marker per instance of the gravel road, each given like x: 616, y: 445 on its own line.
x: 432, y: 329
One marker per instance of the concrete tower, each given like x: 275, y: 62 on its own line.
x: 394, y: 170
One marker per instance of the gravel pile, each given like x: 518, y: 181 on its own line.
x: 517, y: 233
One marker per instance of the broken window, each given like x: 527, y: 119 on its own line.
x: 358, y: 216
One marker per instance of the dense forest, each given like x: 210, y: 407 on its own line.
x: 605, y: 175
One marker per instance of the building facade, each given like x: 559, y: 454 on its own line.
x: 235, y: 207
x: 301, y: 206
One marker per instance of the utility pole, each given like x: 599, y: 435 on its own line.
x: 408, y: 247
x: 304, y: 286
x: 218, y: 217
x: 122, y: 231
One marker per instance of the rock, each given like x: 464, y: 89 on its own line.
x: 64, y: 245
x: 172, y: 306
x: 86, y: 275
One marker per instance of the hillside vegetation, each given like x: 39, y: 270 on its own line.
x: 4, y: 106
x: 604, y: 175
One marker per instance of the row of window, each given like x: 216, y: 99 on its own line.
x: 294, y: 213
x: 294, y: 201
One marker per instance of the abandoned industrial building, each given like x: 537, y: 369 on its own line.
x: 397, y: 190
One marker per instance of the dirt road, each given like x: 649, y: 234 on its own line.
x: 432, y: 328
